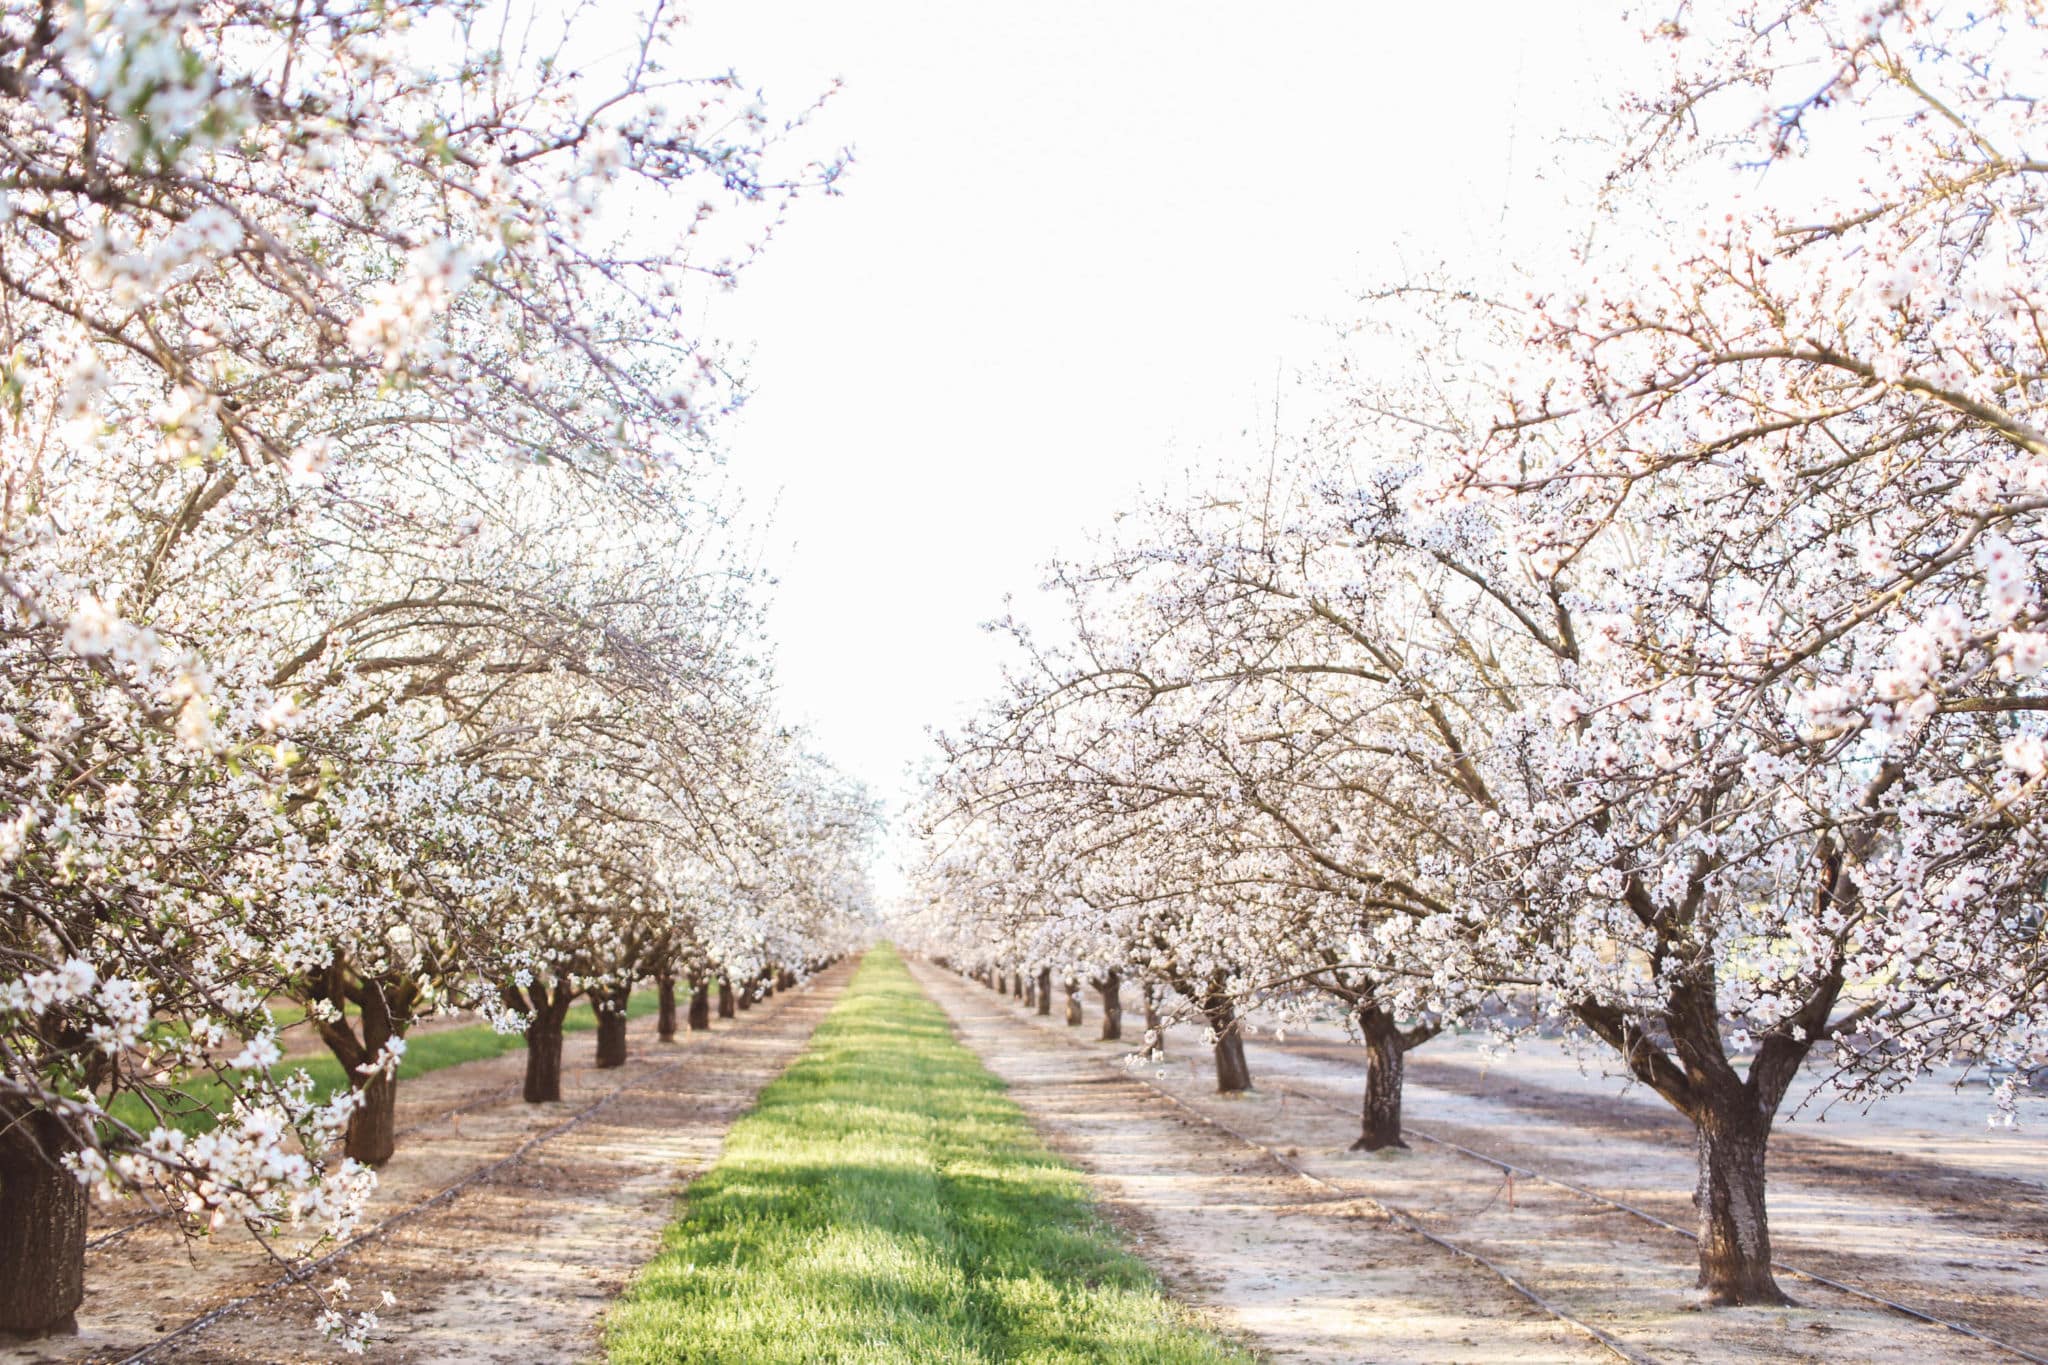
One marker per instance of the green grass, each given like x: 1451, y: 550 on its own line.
x: 204, y: 1096
x: 885, y: 1201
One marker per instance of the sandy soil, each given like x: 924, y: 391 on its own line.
x: 1269, y: 1257
x: 1954, y: 1237
x: 1622, y: 1275
x: 518, y: 1267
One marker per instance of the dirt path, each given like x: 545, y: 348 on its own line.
x: 519, y: 1266
x: 1621, y: 1275
x: 1267, y: 1255
x: 1957, y: 1243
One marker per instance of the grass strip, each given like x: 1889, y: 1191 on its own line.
x: 200, y: 1100
x: 885, y: 1201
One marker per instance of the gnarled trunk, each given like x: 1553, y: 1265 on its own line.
x: 1044, y: 986
x: 1385, y: 1061
x: 372, y: 1133
x: 42, y: 1226
x: 1731, y: 1117
x: 1073, y: 1003
x: 726, y: 1006
x: 665, y: 1025
x: 700, y: 1008
x: 611, y: 1025
x: 1110, y: 987
x: 1735, y: 1233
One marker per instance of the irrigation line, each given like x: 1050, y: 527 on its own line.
x: 1403, y: 1218
x: 447, y: 1194
x: 1512, y: 1169
x: 1395, y: 1214
x: 113, y: 1235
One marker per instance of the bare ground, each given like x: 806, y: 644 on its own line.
x: 517, y: 1267
x: 1626, y: 1277
x: 1269, y: 1257
x: 1941, y: 1237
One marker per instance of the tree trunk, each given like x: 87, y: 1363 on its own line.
x: 1031, y: 993
x: 611, y: 1026
x: 1385, y: 1063
x: 1735, y: 1234
x: 1016, y: 985
x: 1073, y: 1003
x: 373, y: 1127
x: 1233, y: 1073
x: 372, y: 1133
x: 666, y: 1025
x: 700, y: 1008
x: 1044, y: 985
x: 1110, y: 987
x: 1155, y: 1032
x: 544, y: 1057
x: 42, y: 1227
x: 726, y: 1008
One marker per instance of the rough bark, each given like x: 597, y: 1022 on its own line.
x: 727, y: 1007
x: 372, y: 1134
x: 1044, y: 988
x: 1110, y: 987
x: 544, y: 1041
x: 1073, y: 991
x: 1731, y: 1116
x: 42, y: 1227
x: 373, y: 1128
x: 666, y: 1024
x: 610, y: 1005
x: 1386, y: 1053
x: 700, y: 1008
x: 543, y: 1061
x: 1735, y: 1232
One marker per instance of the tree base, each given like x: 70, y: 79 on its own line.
x: 1757, y: 1296
x: 1372, y: 1142
x: 66, y: 1326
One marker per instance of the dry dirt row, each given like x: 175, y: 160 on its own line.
x: 1307, y: 1279
x: 1269, y: 1257
x: 1950, y: 1241
x: 520, y: 1266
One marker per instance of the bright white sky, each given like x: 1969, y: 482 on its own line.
x: 1080, y: 243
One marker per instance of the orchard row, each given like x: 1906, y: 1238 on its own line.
x: 370, y: 647
x: 1652, y: 651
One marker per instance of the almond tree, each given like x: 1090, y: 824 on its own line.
x: 267, y: 274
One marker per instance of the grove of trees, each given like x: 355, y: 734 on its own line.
x: 1652, y: 653
x: 370, y: 639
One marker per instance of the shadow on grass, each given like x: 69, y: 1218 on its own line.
x: 885, y: 1201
